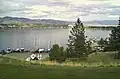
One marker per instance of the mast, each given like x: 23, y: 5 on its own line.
x: 119, y: 22
x: 49, y: 45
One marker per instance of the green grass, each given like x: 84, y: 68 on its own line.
x: 18, y: 69
x: 6, y: 60
x: 46, y: 72
x: 100, y: 59
x: 20, y: 56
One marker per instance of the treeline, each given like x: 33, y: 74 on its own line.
x: 17, y: 25
x: 101, y: 27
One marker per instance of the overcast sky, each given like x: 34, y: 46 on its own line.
x: 69, y: 10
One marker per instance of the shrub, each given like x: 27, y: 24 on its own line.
x: 57, y: 53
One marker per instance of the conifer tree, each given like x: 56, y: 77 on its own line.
x: 76, y: 41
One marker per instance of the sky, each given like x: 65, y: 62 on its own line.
x: 67, y: 10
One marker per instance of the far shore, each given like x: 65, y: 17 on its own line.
x: 59, y: 27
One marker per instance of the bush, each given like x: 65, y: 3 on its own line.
x: 57, y: 54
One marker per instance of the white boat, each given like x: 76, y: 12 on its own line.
x: 8, y: 50
x: 17, y: 50
x: 22, y: 49
x: 41, y: 50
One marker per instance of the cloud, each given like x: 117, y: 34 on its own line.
x: 61, y: 9
x: 8, y: 7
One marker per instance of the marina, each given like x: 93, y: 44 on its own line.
x: 22, y: 50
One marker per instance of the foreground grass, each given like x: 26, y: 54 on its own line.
x: 19, y: 69
x: 46, y: 72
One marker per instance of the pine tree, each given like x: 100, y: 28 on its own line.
x: 77, y: 45
x: 114, y: 40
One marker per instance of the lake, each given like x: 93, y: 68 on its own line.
x: 33, y: 38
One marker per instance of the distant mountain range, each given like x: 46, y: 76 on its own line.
x: 11, y: 20
x: 103, y: 22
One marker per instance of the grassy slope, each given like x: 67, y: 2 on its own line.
x: 20, y: 56
x: 100, y: 59
x: 16, y: 69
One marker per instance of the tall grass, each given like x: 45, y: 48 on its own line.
x: 102, y: 59
x: 94, y: 60
x: 80, y: 64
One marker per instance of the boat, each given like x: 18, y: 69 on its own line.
x: 9, y: 50
x: 22, y: 49
x: 17, y: 50
x: 41, y: 50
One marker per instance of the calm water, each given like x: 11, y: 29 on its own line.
x: 33, y: 38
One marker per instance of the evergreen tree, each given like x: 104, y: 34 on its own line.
x: 114, y: 40
x: 76, y: 41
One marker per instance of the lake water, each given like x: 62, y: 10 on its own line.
x: 33, y: 38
